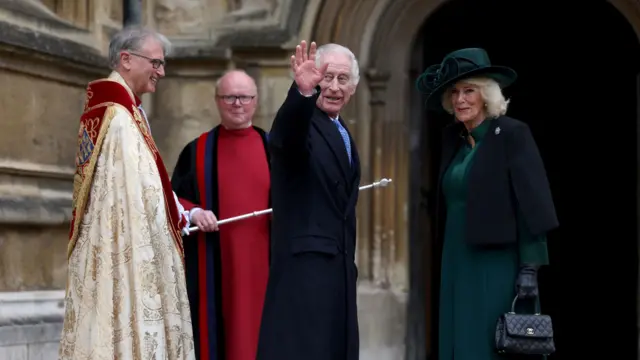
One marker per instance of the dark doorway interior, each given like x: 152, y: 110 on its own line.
x: 577, y: 90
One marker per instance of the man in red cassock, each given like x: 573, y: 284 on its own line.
x: 225, y: 171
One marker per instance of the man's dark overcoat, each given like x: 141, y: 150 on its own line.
x: 310, y: 308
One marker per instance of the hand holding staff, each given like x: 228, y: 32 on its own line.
x: 382, y: 183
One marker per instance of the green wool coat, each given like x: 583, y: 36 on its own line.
x: 477, y: 284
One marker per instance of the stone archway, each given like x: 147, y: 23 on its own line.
x: 380, y: 113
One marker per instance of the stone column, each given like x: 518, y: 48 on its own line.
x: 399, y: 157
x: 184, y: 107
x: 378, y: 259
x: 132, y: 10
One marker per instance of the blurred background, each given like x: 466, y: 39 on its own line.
x: 577, y: 62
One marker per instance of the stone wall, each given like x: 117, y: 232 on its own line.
x: 50, y: 50
x: 30, y: 324
x: 45, y: 63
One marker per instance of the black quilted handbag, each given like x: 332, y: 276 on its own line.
x: 524, y: 334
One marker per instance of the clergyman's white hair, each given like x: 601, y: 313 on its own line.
x: 132, y: 38
x: 490, y: 92
x: 336, y: 48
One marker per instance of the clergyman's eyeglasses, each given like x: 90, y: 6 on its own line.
x: 156, y: 63
x: 231, y: 99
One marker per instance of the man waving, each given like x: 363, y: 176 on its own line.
x: 310, y: 308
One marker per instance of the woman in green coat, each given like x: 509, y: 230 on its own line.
x: 495, y: 205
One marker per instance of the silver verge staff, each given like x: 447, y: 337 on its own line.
x: 382, y: 183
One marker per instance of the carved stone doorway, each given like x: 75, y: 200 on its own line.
x: 577, y: 91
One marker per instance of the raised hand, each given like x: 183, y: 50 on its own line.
x: 307, y: 75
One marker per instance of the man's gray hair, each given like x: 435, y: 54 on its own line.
x: 132, y: 38
x: 336, y: 48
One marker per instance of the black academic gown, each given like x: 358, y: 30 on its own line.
x: 198, y: 160
x: 310, y: 309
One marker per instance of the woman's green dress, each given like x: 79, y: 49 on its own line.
x: 477, y: 284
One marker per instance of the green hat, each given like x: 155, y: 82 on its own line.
x: 458, y: 65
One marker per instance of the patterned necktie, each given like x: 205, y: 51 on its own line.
x: 345, y: 137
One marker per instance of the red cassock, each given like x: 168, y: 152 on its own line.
x: 243, y: 180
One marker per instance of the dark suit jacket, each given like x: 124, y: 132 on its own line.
x: 507, y: 176
x: 310, y: 306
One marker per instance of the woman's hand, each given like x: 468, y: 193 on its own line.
x: 527, y: 282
